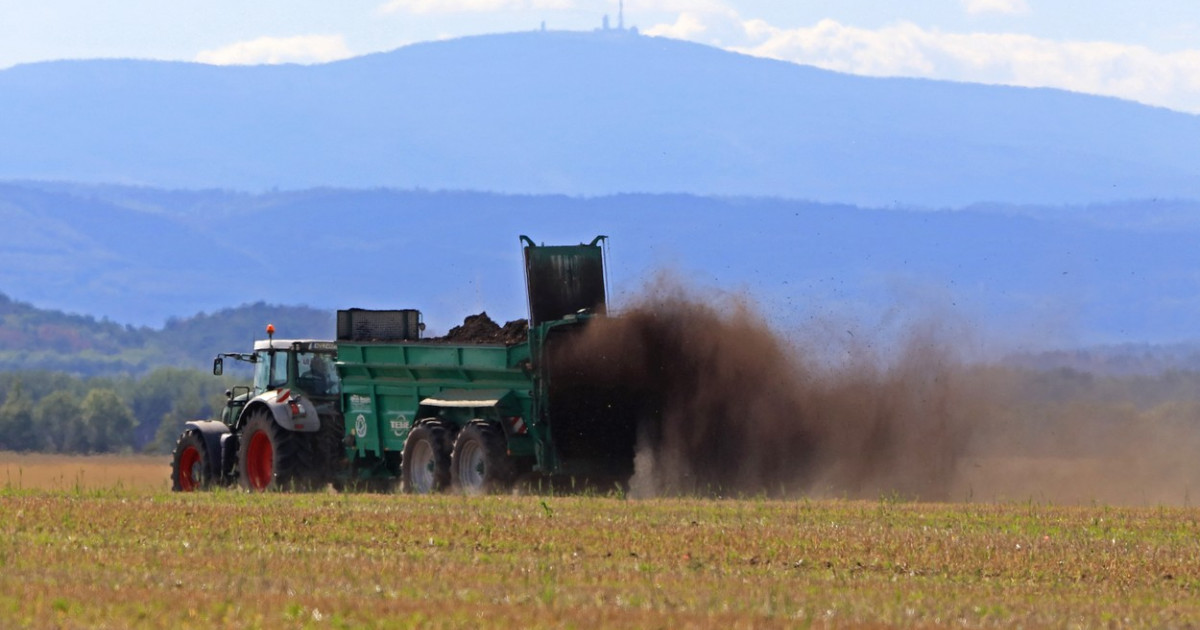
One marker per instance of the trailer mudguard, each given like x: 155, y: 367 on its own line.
x: 211, y: 431
x: 466, y: 398
x: 294, y: 413
x: 490, y: 404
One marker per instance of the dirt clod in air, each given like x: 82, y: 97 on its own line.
x: 727, y: 406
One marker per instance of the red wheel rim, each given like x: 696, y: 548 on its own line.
x: 189, y: 462
x: 260, y: 461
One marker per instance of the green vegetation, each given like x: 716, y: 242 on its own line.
x: 58, y: 413
x: 37, y: 339
x: 122, y: 558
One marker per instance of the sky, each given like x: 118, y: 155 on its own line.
x: 1146, y: 51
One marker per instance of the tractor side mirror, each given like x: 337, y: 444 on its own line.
x: 218, y: 366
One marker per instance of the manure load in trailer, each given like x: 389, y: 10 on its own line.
x: 474, y: 410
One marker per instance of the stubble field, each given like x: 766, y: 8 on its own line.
x: 127, y: 553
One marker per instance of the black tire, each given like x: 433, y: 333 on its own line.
x: 480, y: 463
x: 327, y: 449
x: 271, y: 457
x: 191, y: 471
x: 425, y: 466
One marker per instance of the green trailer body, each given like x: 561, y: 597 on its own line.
x: 388, y: 387
x: 392, y: 387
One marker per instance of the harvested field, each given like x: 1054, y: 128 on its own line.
x: 26, y: 471
x: 127, y: 558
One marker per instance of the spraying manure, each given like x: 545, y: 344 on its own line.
x: 724, y: 405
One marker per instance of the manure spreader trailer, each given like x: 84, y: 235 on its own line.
x: 381, y: 404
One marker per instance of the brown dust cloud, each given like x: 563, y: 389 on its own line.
x: 730, y: 407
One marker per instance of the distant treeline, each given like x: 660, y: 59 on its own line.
x: 1019, y: 410
x: 52, y: 341
x: 53, y: 412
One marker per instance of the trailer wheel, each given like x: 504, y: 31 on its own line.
x: 480, y: 462
x: 189, y: 464
x: 269, y: 456
x: 425, y: 466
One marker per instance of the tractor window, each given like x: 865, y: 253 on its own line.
x: 279, y: 370
x: 318, y: 376
x: 262, y: 372
x: 270, y: 371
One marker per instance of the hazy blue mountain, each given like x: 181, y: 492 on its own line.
x: 1056, y: 276
x: 586, y: 114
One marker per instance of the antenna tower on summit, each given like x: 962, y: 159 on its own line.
x: 620, y: 15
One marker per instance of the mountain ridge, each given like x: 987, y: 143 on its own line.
x: 586, y: 114
x: 1059, y: 276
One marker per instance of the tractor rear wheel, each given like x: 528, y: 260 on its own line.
x: 425, y: 466
x: 269, y: 456
x: 480, y: 462
x: 189, y: 464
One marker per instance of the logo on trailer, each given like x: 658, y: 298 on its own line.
x: 360, y: 426
x: 400, y: 425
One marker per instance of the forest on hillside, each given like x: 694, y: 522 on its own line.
x: 33, y: 339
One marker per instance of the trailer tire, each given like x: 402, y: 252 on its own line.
x: 190, y: 468
x: 425, y: 465
x: 480, y: 463
x: 269, y: 456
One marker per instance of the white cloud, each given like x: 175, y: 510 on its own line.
x: 688, y: 26
x: 906, y: 49
x: 995, y: 6
x: 708, y: 21
x: 1121, y: 70
x: 272, y: 50
x: 471, y: 6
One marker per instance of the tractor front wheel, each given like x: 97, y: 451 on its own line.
x: 189, y: 464
x: 269, y: 456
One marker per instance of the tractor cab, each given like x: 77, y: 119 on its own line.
x: 302, y: 366
x: 299, y: 367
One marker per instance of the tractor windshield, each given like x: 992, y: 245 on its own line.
x: 270, y: 370
x: 316, y: 374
